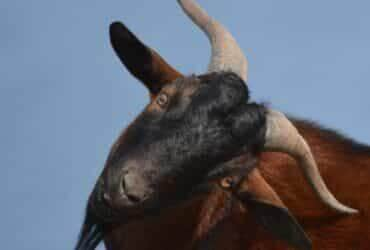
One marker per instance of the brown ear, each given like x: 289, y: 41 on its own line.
x: 270, y: 212
x: 140, y: 60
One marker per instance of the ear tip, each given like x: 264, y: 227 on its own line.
x: 119, y: 32
x: 115, y: 27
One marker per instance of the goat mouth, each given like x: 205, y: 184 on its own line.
x: 154, y: 205
x: 104, y: 212
x: 124, y: 212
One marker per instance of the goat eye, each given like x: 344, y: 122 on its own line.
x: 162, y: 99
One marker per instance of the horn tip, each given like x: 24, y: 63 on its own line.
x: 343, y: 209
x: 350, y: 211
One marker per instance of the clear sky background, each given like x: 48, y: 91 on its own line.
x: 64, y: 96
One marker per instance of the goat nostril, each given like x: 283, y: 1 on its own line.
x: 133, y: 198
x: 123, y: 184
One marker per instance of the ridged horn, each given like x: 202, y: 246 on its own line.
x: 282, y: 136
x: 226, y: 53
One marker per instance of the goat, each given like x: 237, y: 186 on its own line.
x: 213, y: 219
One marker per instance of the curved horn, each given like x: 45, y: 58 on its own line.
x: 226, y: 53
x: 282, y: 136
x: 140, y: 60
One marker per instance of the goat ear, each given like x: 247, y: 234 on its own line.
x: 270, y: 212
x: 279, y: 222
x: 140, y: 60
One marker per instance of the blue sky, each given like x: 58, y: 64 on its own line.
x: 64, y: 96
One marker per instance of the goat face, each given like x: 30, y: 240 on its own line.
x: 192, y: 124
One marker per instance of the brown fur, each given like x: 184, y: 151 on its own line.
x: 345, y: 167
